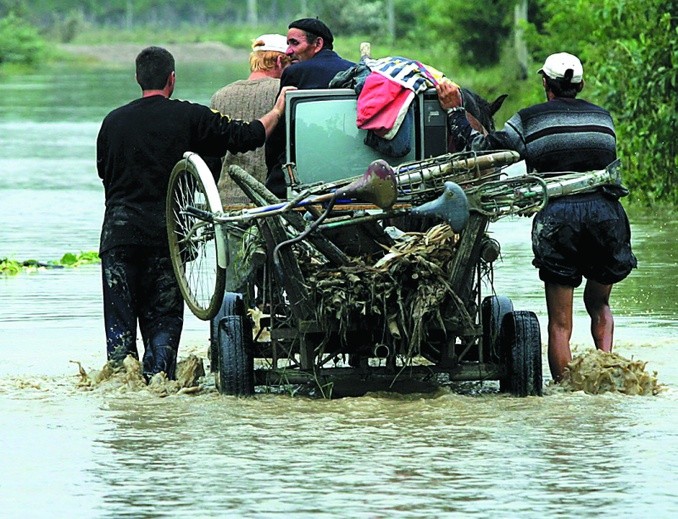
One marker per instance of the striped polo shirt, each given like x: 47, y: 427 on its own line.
x: 559, y: 135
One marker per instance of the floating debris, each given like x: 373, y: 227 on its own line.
x: 11, y: 267
x: 598, y: 372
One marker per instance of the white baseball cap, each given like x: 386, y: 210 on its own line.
x: 557, y: 66
x: 272, y: 42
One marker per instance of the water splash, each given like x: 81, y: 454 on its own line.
x: 128, y: 377
x: 598, y: 372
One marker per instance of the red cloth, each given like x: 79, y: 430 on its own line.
x: 382, y: 104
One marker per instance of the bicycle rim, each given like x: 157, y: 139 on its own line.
x: 193, y: 242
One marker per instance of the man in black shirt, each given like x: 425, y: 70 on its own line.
x: 573, y: 237
x: 137, y: 147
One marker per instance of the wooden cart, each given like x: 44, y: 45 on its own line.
x: 254, y: 274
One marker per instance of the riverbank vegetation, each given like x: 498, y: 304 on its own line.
x: 629, y: 50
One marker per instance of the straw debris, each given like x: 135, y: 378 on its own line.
x: 405, y: 289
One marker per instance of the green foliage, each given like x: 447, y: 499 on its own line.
x: 19, y: 41
x: 355, y: 16
x: 10, y: 267
x: 639, y: 79
x: 478, y: 30
x: 71, y: 25
x: 17, y: 7
x: 629, y: 49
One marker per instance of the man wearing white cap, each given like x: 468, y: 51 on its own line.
x: 248, y: 99
x: 576, y: 236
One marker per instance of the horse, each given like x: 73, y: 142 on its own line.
x: 480, y: 115
x: 479, y: 111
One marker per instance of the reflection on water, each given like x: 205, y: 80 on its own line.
x: 72, y: 452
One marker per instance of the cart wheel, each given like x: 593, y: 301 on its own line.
x: 194, y: 243
x: 493, y: 308
x: 232, y: 304
x: 235, y: 375
x: 521, y: 339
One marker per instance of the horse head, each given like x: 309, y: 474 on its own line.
x: 479, y: 114
x: 481, y: 109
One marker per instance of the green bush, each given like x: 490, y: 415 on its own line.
x: 19, y: 42
x: 477, y: 33
x: 639, y: 79
x: 630, y: 54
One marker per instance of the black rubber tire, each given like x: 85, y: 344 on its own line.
x: 493, y: 309
x: 235, y: 374
x: 232, y: 304
x: 192, y: 242
x: 521, y: 338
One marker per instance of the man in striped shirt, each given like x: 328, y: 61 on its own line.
x: 573, y: 237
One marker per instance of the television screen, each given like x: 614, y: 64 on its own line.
x: 323, y: 139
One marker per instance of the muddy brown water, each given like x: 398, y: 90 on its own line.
x: 117, y: 450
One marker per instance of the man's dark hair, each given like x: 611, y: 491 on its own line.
x: 153, y: 67
x: 562, y: 88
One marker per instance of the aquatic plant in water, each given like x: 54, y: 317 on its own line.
x: 11, y: 267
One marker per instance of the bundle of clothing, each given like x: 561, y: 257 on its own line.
x: 386, y: 88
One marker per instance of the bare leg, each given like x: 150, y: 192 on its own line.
x: 597, y: 301
x: 559, y: 306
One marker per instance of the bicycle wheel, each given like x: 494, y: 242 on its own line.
x: 195, y: 243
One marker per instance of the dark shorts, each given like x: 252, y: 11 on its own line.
x: 579, y: 236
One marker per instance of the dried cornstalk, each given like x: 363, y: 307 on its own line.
x: 402, y: 292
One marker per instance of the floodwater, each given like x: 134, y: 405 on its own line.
x: 106, y: 452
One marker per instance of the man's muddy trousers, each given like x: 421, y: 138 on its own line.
x: 139, y: 287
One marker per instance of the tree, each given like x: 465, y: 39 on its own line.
x: 252, y: 16
x: 519, y: 44
x: 19, y: 41
x: 630, y: 54
x: 479, y: 30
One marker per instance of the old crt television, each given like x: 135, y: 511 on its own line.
x: 326, y: 145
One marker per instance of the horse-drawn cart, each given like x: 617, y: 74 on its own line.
x: 328, y: 289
